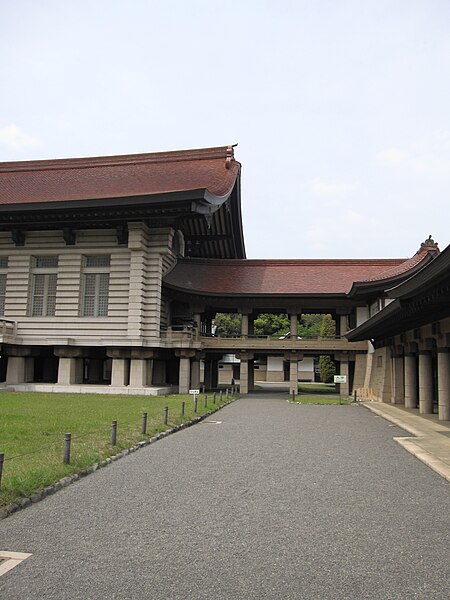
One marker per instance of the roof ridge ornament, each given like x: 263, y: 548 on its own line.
x: 230, y: 156
x: 429, y: 245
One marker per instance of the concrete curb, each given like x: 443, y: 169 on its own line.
x: 39, y: 495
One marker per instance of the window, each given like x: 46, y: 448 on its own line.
x: 95, y: 288
x: 3, y: 269
x: 43, y: 289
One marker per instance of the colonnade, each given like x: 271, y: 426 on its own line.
x: 415, y: 382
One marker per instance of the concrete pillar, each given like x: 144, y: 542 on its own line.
x: 251, y: 375
x: 410, y: 380
x: 149, y: 368
x: 67, y: 371
x: 15, y: 370
x: 195, y: 374
x: 343, y: 325
x: 293, y: 325
x: 120, y: 370
x: 244, y: 326
x: 29, y: 369
x: 184, y: 375
x: 344, y: 388
x: 138, y: 372
x: 425, y: 383
x: 443, y: 358
x: 293, y: 375
x: 398, y: 380
x: 243, y: 376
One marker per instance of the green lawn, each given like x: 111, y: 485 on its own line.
x: 303, y: 399
x: 32, y: 428
x: 317, y: 388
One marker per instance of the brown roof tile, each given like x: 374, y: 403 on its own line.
x: 213, y: 169
x: 273, y: 277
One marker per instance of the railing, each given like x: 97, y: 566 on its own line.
x: 255, y: 342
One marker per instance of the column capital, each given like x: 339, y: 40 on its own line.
x: 69, y: 352
x: 245, y: 310
x: 17, y: 351
x: 293, y: 355
x: 185, y: 352
x: 293, y: 310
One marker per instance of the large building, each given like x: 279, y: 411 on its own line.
x: 113, y: 268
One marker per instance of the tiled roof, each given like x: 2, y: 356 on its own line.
x: 213, y: 169
x: 427, y: 251
x: 273, y: 277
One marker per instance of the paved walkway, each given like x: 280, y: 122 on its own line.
x: 264, y: 500
x: 431, y: 438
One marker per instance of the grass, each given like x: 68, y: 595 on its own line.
x: 317, y: 388
x: 301, y: 399
x: 32, y: 428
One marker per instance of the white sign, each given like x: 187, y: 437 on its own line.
x: 340, y: 379
x: 195, y: 392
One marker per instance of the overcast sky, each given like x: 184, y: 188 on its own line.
x: 340, y: 108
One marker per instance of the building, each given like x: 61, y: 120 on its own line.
x: 113, y: 268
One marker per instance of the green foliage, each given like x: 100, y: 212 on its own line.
x: 327, y: 369
x: 327, y: 326
x: 271, y: 325
x: 228, y: 324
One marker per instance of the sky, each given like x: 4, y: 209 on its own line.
x: 340, y: 108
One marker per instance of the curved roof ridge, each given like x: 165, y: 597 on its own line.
x: 226, y: 152
x: 296, y: 262
x: 428, y: 249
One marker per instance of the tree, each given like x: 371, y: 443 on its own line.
x: 228, y: 324
x: 326, y: 364
x: 271, y: 325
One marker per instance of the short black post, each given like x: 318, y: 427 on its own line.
x: 2, y: 458
x: 166, y: 415
x: 205, y: 400
x: 195, y: 403
x: 220, y: 395
x: 214, y: 397
x: 354, y: 396
x: 293, y: 395
x: 226, y: 393
x: 182, y: 409
x: 67, y: 442
x: 144, y: 423
x: 114, y: 433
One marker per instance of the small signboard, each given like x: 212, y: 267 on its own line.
x: 340, y: 379
x: 195, y: 392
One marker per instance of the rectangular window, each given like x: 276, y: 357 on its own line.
x: 44, y: 281
x: 95, y: 290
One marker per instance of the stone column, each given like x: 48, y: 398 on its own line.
x: 138, y: 372
x: 293, y: 358
x: 410, y: 380
x: 425, y: 382
x: 443, y: 358
x: 293, y: 325
x: 343, y: 325
x: 244, y: 326
x: 398, y: 390
x: 15, y: 370
x: 195, y: 373
x: 344, y: 388
x: 184, y: 376
x: 243, y: 376
x: 251, y: 375
x: 67, y: 371
x: 120, y: 372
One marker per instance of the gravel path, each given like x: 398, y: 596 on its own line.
x: 277, y: 500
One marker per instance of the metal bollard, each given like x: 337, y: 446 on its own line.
x: 114, y: 433
x: 195, y: 403
x: 203, y: 389
x: 67, y: 442
x: 144, y: 423
x: 205, y: 400
x: 2, y: 458
x: 182, y: 409
x: 226, y: 393
x: 220, y: 395
x: 293, y: 395
x: 354, y: 396
x: 166, y: 415
x: 214, y: 397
